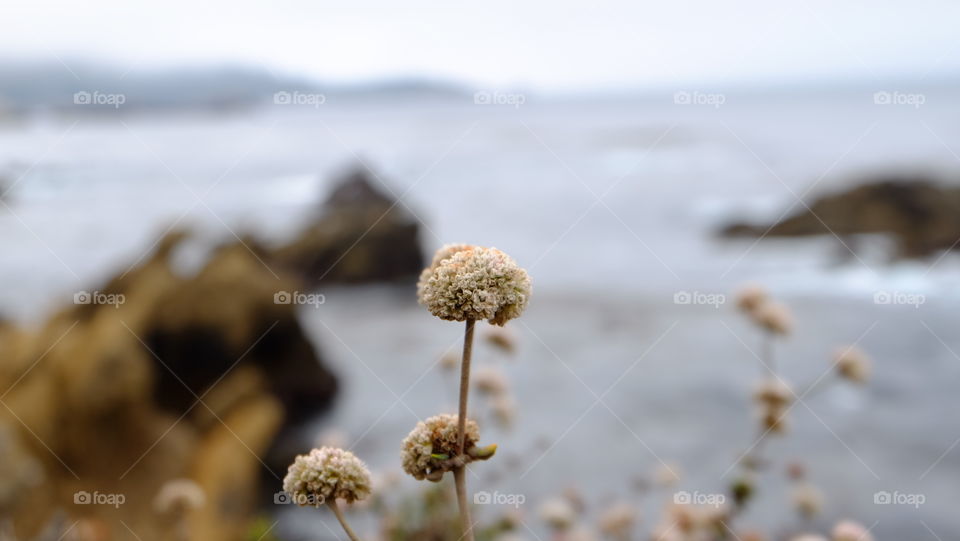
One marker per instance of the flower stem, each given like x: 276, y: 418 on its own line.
x: 332, y: 504
x: 459, y: 476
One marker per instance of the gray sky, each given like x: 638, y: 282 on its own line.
x: 551, y: 45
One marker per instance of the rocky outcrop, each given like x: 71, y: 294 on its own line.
x: 360, y: 234
x: 181, y: 376
x: 922, y: 216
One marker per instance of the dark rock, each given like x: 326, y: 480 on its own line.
x: 361, y: 234
x: 922, y: 216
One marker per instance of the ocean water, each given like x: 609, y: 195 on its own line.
x: 611, y: 204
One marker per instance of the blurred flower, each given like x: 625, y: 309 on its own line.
x: 807, y: 499
x: 501, y: 338
x: 581, y: 533
x: 558, y: 513
x: 178, y: 496
x: 667, y: 474
x: 490, y: 380
x: 431, y: 447
x: 796, y: 470
x: 775, y: 421
x: 750, y: 297
x: 774, y: 393
x: 853, y: 364
x: 327, y: 473
x: 808, y: 537
x: 617, y: 521
x: 449, y: 361
x: 847, y: 530
x: 504, y: 410
x: 774, y: 317
x: 474, y: 283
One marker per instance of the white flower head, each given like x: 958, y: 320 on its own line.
x: 853, y: 364
x: 558, y: 513
x: 179, y: 495
x: 474, y: 283
x: 431, y: 447
x: 774, y: 317
x: 750, y: 297
x: 327, y: 473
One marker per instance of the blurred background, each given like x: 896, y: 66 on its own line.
x: 214, y: 216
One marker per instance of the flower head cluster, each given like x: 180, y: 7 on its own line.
x: 474, y: 283
x: 179, y: 495
x: 853, y: 364
x: 431, y: 447
x: 773, y: 396
x: 771, y: 316
x: 325, y: 474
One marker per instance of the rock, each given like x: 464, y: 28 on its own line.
x: 360, y: 235
x: 922, y: 216
x: 103, y: 399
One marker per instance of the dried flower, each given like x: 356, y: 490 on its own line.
x: 807, y: 499
x: 179, y: 495
x: 558, y: 513
x: 853, y: 364
x: 490, y: 380
x: 501, y: 338
x: 847, y: 530
x: 474, y: 283
x: 431, y: 447
x: 774, y: 393
x: 750, y: 297
x: 773, y: 317
x: 618, y: 521
x: 327, y: 473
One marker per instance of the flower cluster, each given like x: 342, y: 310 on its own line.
x: 431, y: 447
x: 327, y: 473
x: 466, y: 282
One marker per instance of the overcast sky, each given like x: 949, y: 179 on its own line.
x: 549, y: 44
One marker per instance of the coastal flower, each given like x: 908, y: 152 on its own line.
x: 774, y: 317
x: 326, y: 474
x: 617, y: 521
x: 490, y: 380
x: 474, y: 283
x: 853, y: 364
x: 774, y: 393
x: 807, y: 499
x: 431, y: 447
x: 179, y: 495
x: 558, y: 513
x: 848, y: 530
x: 750, y: 297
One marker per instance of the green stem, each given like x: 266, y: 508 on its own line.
x: 459, y: 476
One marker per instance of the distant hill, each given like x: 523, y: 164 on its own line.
x: 53, y: 86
